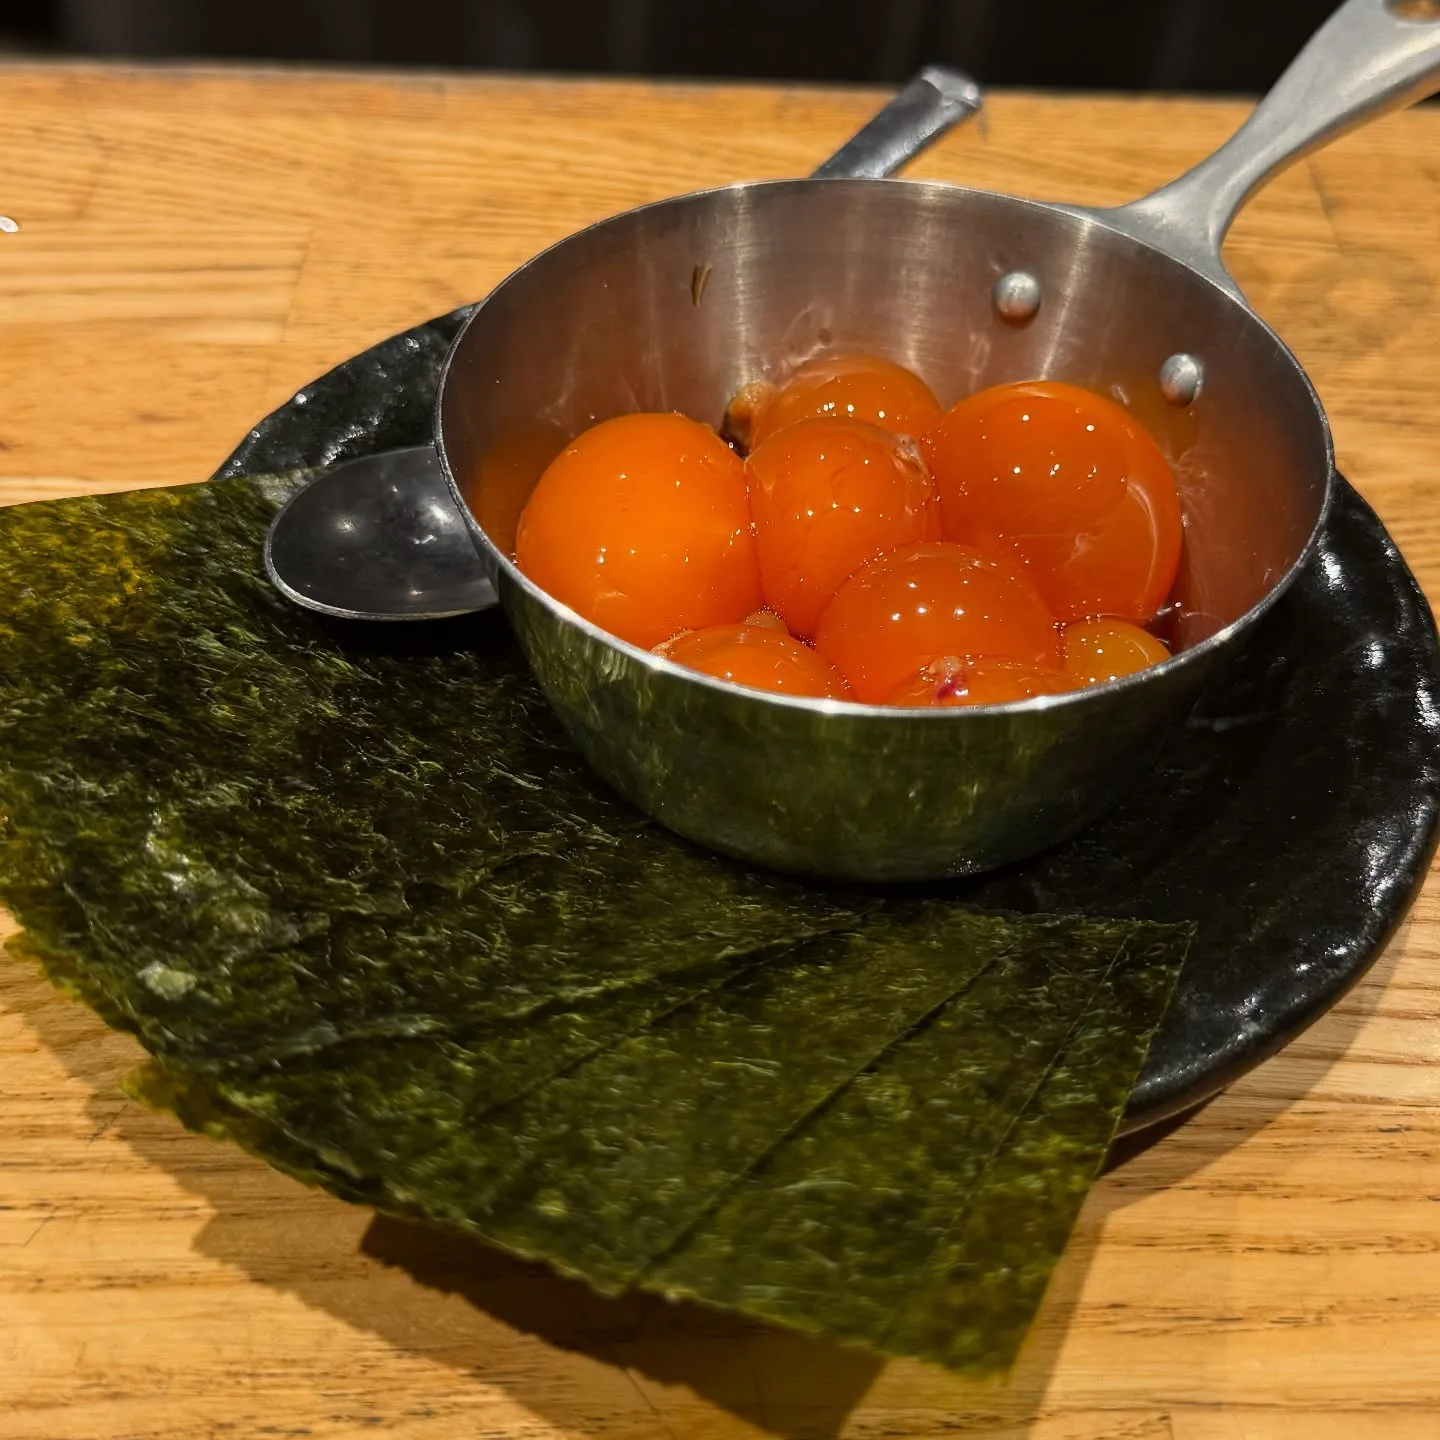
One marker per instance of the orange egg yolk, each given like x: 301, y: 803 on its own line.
x: 849, y: 387
x: 642, y: 526
x: 1101, y: 650
x: 1072, y: 484
x: 925, y: 601
x: 953, y: 681
x: 826, y: 496
x: 759, y: 657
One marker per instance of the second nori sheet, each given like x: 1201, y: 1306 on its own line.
x: 376, y: 920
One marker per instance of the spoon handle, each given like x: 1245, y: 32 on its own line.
x: 930, y: 104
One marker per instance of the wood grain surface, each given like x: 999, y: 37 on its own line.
x: 196, y: 246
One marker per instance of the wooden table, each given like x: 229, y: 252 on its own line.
x: 194, y: 247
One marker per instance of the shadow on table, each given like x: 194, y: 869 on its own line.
x: 723, y: 1359
x: 791, y: 1386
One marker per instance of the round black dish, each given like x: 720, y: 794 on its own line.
x: 1292, y: 818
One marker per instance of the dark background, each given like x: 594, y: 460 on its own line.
x: 1235, y: 46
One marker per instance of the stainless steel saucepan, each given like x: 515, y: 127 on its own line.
x: 674, y: 305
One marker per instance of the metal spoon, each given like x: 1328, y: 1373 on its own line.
x: 378, y: 538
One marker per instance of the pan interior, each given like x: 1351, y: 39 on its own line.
x: 674, y: 306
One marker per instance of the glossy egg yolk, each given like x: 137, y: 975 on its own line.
x: 1070, y: 482
x: 642, y: 526
x: 759, y: 657
x: 826, y: 496
x: 848, y: 387
x: 923, y: 602
x: 954, y: 681
x: 1101, y: 650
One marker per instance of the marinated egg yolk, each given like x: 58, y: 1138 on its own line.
x: 837, y: 387
x: 826, y: 496
x: 759, y: 657
x: 925, y: 601
x: 1101, y: 650
x: 954, y: 681
x: 642, y: 526
x: 1070, y: 482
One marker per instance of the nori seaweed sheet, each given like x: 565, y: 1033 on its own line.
x: 378, y: 923
x: 196, y: 746
x: 968, y: 1147
x: 606, y: 1167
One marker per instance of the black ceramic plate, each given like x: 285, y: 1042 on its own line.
x: 1293, y: 817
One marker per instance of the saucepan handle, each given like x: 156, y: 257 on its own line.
x: 1370, y: 56
x: 934, y: 101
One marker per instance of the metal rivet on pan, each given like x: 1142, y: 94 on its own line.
x: 8, y: 225
x: 1017, y: 295
x: 1181, y: 378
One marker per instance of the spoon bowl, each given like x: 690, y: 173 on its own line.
x: 379, y: 538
